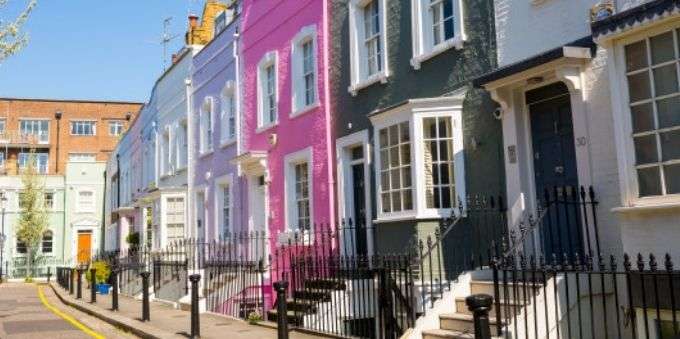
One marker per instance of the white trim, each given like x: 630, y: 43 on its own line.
x: 79, y: 207
x: 413, y: 112
x: 345, y: 185
x: 220, y: 182
x: 422, y: 48
x: 227, y: 93
x: 358, y: 77
x: 306, y: 34
x: 289, y: 161
x: 625, y: 147
x: 269, y: 59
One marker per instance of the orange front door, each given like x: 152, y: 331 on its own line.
x: 84, y: 247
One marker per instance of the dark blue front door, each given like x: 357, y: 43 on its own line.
x: 555, y: 167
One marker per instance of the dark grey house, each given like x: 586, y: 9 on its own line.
x: 413, y: 137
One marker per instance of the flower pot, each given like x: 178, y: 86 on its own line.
x: 103, y: 288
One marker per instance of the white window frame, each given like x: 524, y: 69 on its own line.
x: 358, y: 70
x: 421, y: 24
x: 45, y: 200
x: 298, y: 104
x: 290, y: 160
x: 620, y: 99
x: 38, y: 156
x: 220, y: 184
x: 269, y: 59
x: 79, y: 201
x: 182, y: 145
x: 414, y: 112
x: 166, y: 152
x: 228, y: 111
x: 168, y: 212
x: 75, y: 123
x: 43, y: 137
x: 206, y: 130
x: 91, y: 157
x: 3, y: 125
x: 118, y: 126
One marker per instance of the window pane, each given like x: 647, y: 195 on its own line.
x: 396, y: 182
x: 670, y: 145
x: 662, y: 48
x: 384, y: 159
x: 385, y: 180
x: 405, y: 153
x: 386, y: 202
x: 383, y: 137
x: 672, y: 176
x: 396, y: 201
x: 645, y: 149
x: 405, y: 136
x: 665, y: 80
x: 430, y: 128
x: 649, y: 181
x: 638, y: 86
x: 394, y: 156
x: 643, y: 118
x: 406, y: 176
x: 668, y: 111
x: 636, y: 56
x: 394, y: 134
x: 429, y: 197
x: 406, y: 197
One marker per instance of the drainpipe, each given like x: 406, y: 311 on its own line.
x: 102, y: 242
x: 57, y: 115
x: 63, y: 214
x: 189, y: 223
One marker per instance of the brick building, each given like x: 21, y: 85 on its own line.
x: 60, y: 130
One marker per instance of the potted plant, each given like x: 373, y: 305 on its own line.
x: 132, y: 239
x: 101, y: 277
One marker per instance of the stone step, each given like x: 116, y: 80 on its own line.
x: 460, y: 322
x: 513, y: 290
x: 508, y: 307
x: 294, y: 318
x: 446, y: 334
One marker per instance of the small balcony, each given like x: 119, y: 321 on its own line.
x: 18, y: 139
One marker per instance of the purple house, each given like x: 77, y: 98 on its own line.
x: 218, y: 210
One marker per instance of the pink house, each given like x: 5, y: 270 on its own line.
x: 286, y: 156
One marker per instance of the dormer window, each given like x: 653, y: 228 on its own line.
x: 220, y: 22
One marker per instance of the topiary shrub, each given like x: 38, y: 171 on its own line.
x: 102, y: 274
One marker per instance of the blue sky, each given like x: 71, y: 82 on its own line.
x: 96, y: 49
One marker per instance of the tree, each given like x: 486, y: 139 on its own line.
x: 12, y: 38
x: 32, y: 222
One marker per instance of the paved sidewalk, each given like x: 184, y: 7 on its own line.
x: 166, y: 322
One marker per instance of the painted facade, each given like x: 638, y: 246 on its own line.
x: 416, y: 80
x: 287, y: 136
x: 217, y: 189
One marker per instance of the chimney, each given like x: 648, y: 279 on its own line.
x: 193, y: 20
x: 174, y: 58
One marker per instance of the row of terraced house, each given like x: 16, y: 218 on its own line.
x: 454, y: 129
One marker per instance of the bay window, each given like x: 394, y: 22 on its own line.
x: 651, y: 72
x: 419, y: 159
x: 437, y: 25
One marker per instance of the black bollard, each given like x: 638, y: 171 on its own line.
x: 79, y: 293
x: 480, y: 304
x: 93, y: 285
x: 145, y: 296
x: 71, y: 272
x: 281, y: 309
x: 49, y: 274
x: 195, y: 320
x: 114, y: 293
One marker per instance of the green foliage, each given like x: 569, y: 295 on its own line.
x: 12, y: 38
x: 132, y: 239
x: 254, y: 317
x: 102, y: 272
x: 28, y: 279
x: 32, y: 221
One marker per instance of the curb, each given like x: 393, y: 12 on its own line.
x: 120, y: 323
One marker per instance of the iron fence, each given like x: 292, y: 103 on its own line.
x: 586, y: 297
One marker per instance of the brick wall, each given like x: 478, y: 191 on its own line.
x: 13, y: 110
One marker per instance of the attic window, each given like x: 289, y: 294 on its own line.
x: 220, y: 22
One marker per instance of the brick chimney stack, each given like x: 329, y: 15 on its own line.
x: 193, y: 20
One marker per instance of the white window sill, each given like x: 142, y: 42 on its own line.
x: 180, y: 170
x: 266, y: 127
x: 227, y: 142
x: 305, y: 109
x: 647, y: 207
x: 205, y: 154
x: 456, y: 41
x: 375, y: 78
x: 400, y: 216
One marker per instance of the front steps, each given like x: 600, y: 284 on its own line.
x: 460, y: 324
x: 305, y: 300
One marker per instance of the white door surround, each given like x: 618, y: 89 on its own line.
x: 509, y: 92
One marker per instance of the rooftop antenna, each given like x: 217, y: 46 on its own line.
x: 166, y: 38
